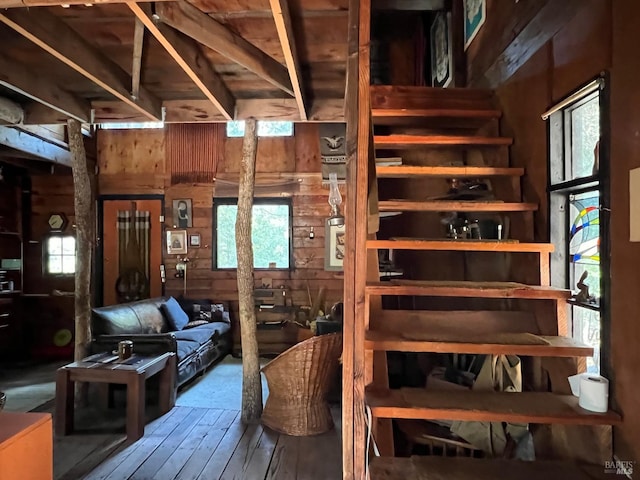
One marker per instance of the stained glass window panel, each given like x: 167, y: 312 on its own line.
x: 584, y: 233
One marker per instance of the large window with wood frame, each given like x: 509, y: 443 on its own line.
x: 578, y: 199
x: 271, y: 227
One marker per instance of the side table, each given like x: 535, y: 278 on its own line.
x: 132, y: 372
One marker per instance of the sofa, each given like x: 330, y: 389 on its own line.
x: 198, y: 342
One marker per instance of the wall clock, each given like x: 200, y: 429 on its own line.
x: 57, y: 222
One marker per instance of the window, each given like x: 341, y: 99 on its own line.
x: 131, y: 126
x: 578, y: 197
x: 265, y: 129
x: 60, y: 255
x: 270, y: 231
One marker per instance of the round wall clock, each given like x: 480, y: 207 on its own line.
x: 57, y: 222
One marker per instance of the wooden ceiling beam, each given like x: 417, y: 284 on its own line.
x: 136, y: 64
x: 196, y: 24
x: 282, y: 17
x: 411, y: 5
x: 10, y: 111
x: 57, y: 38
x: 188, y: 56
x: 26, y: 142
x: 17, y: 78
x: 54, y: 3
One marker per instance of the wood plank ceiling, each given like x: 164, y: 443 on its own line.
x: 203, y: 60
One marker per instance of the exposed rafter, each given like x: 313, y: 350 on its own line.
x: 198, y: 25
x: 187, y: 54
x: 413, y: 5
x: 10, y: 111
x: 53, y: 3
x: 282, y: 17
x: 17, y: 78
x: 26, y: 142
x: 56, y: 37
x: 136, y: 64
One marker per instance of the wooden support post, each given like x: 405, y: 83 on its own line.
x: 84, y: 206
x: 251, y: 385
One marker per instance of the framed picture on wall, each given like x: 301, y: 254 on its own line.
x: 194, y: 239
x: 441, y: 53
x: 475, y: 13
x: 182, y: 214
x: 177, y: 242
x: 334, y: 247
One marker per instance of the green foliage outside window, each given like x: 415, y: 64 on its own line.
x: 270, y: 232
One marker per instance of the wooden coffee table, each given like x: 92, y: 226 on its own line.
x: 132, y: 372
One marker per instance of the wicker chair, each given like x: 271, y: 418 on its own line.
x: 299, y: 380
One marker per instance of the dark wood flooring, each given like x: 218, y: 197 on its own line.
x: 199, y: 443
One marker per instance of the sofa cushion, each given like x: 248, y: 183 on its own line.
x: 175, y: 315
x: 201, y: 334
x: 193, y: 338
x: 195, y: 323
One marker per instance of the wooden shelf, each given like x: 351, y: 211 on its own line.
x: 525, y: 407
x: 454, y: 206
x: 466, y: 289
x: 476, y: 344
x: 408, y: 171
x: 460, y: 245
x: 460, y: 468
x: 398, y: 141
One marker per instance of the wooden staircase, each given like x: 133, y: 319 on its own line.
x: 444, y: 134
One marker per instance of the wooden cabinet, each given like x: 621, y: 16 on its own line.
x: 26, y: 446
x: 10, y: 267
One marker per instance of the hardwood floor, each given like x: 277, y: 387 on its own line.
x: 200, y: 443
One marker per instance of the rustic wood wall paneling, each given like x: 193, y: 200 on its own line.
x: 45, y: 314
x: 625, y: 145
x: 133, y: 162
x: 574, y: 55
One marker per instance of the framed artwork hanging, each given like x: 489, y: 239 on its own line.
x: 441, y: 52
x: 334, y: 246
x: 475, y: 14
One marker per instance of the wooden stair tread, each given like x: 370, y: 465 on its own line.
x: 466, y: 289
x: 406, y: 171
x: 477, y: 344
x: 408, y: 141
x: 460, y: 245
x: 523, y: 407
x: 460, y: 468
x: 454, y: 206
x: 439, y: 118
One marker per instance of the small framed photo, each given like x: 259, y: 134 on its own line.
x: 177, y: 242
x: 334, y: 247
x: 182, y: 213
x: 194, y: 239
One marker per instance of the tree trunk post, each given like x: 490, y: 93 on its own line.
x: 251, y: 384
x: 84, y: 214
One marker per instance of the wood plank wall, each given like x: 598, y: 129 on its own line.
x: 600, y: 37
x: 134, y: 162
x: 43, y: 312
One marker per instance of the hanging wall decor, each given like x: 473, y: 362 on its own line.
x: 333, y: 150
x: 475, y: 13
x: 441, y: 56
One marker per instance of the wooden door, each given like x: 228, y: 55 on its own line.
x: 110, y: 245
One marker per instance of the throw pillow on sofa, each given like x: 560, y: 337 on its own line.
x: 176, y: 316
